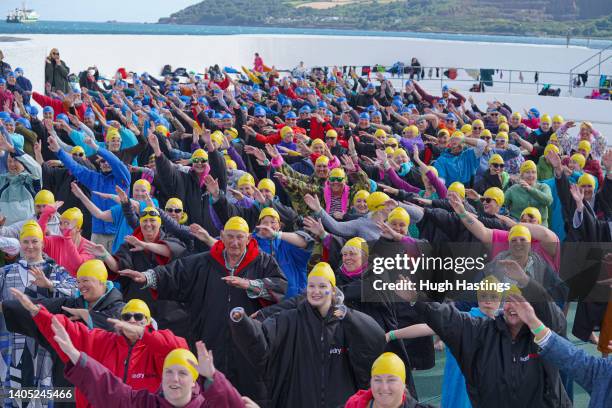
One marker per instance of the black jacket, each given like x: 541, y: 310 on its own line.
x: 500, y: 371
x: 174, y: 183
x: 196, y: 281
x: 168, y: 314
x: 311, y: 361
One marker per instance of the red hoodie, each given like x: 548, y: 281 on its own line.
x: 57, y: 105
x: 140, y: 365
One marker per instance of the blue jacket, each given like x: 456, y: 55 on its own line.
x: 96, y: 181
x: 507, y: 154
x: 594, y: 374
x: 291, y: 259
x: 454, y: 393
x: 461, y: 167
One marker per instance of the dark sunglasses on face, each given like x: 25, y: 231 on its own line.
x: 137, y: 317
x: 487, y: 200
x: 487, y: 138
x: 497, y: 166
x: 336, y: 179
x: 174, y: 210
x: 79, y: 154
x: 477, y: 128
x: 199, y: 160
x: 150, y: 213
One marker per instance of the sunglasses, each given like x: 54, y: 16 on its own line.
x: 260, y: 117
x: 55, y: 53
x: 449, y: 120
x: 126, y: 317
x: 199, y: 160
x: 336, y: 179
x: 79, y: 154
x: 493, y: 114
x: 330, y: 138
x: 487, y: 200
x: 487, y: 138
x: 478, y: 128
x: 150, y: 213
x: 497, y: 166
x: 174, y: 210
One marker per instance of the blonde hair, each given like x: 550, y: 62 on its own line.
x: 52, y: 51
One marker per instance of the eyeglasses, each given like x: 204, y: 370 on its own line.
x: 497, y: 165
x: 199, y: 160
x: 487, y: 200
x: 126, y: 317
x: 336, y: 179
x: 78, y: 154
x: 150, y: 213
x: 174, y: 210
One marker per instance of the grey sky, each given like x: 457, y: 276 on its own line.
x: 99, y: 10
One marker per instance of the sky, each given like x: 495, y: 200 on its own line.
x: 99, y: 10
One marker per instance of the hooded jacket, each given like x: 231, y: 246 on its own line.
x: 173, y: 183
x: 103, y: 388
x: 20, y: 321
x: 17, y: 191
x: 196, y: 281
x: 168, y: 314
x: 139, y: 365
x: 308, y: 360
x: 501, y: 371
x: 97, y: 181
x: 363, y: 399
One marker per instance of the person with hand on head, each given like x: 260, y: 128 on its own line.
x: 134, y: 346
x: 592, y: 373
x: 56, y: 72
x: 320, y: 335
x: 186, y: 381
x: 234, y: 273
x: 40, y: 277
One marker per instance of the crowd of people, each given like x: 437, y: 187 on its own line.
x: 150, y: 223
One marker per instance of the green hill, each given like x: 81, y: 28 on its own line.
x: 518, y: 17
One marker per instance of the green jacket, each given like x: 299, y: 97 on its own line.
x: 517, y: 198
x: 545, y: 170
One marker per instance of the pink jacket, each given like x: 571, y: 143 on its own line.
x: 61, y: 248
x: 104, y: 389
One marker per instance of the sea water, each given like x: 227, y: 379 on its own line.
x: 79, y: 27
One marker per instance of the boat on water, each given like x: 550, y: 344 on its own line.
x: 22, y: 15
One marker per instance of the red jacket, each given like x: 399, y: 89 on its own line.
x: 106, y: 390
x: 362, y: 398
x: 317, y: 129
x: 145, y: 358
x: 275, y: 138
x: 57, y: 105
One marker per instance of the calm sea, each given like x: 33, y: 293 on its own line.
x: 77, y: 27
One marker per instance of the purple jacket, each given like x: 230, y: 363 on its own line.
x: 103, y: 389
x: 398, y: 182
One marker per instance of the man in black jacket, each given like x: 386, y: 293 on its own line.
x: 234, y: 273
x: 498, y: 357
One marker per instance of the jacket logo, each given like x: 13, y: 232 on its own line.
x: 528, y: 357
x: 337, y: 350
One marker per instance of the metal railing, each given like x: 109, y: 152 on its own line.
x: 598, y: 65
x: 519, y: 81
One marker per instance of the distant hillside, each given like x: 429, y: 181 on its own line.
x: 589, y: 18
